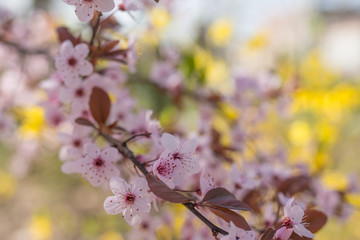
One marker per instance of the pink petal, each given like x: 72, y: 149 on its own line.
x: 71, y: 2
x: 287, y: 208
x: 113, y: 205
x: 118, y: 185
x: 300, y: 230
x: 189, y: 146
x: 104, y: 5
x: 91, y: 150
x: 110, y: 155
x: 85, y: 12
x: 85, y: 68
x: 81, y: 51
x: 131, y: 218
x: 169, y: 142
x: 140, y: 186
x: 297, y: 214
x: 189, y: 165
x: 66, y: 49
x: 141, y: 205
x: 73, y: 166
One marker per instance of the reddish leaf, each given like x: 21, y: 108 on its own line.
x: 293, y: 185
x: 64, y: 34
x: 117, y: 52
x: 316, y: 220
x: 162, y: 191
x: 223, y: 198
x: 108, y: 46
x: 268, y: 234
x: 230, y: 216
x: 252, y: 198
x: 100, y: 105
x: 84, y: 122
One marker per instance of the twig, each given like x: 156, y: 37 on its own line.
x: 135, y: 136
x: 95, y: 29
x: 122, y: 148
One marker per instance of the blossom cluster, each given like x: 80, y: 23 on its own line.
x: 216, y: 172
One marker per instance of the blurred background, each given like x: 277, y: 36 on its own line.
x: 317, y: 43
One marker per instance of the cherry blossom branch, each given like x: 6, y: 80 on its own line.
x: 123, y: 149
x: 135, y: 136
x: 95, y: 29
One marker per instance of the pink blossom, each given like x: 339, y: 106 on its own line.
x: 130, y: 199
x: 177, y: 161
x: 293, y: 221
x: 73, y: 143
x: 238, y: 233
x: 85, y: 8
x: 128, y: 5
x: 72, y: 61
x: 96, y: 165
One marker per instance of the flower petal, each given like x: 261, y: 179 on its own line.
x: 300, y: 230
x: 169, y: 142
x: 91, y: 150
x: 110, y: 155
x: 287, y: 208
x: 85, y: 12
x: 112, y: 205
x: 118, y: 186
x: 104, y: 5
x: 131, y: 218
x: 297, y: 214
x: 189, y: 146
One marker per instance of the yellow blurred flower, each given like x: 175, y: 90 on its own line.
x: 111, y: 236
x: 41, y: 227
x: 220, y: 32
x: 299, y: 133
x: 257, y: 42
x: 7, y: 185
x: 32, y: 121
x: 160, y: 18
x: 335, y: 181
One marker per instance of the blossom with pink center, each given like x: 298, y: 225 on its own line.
x: 71, y: 61
x: 238, y: 233
x: 293, y: 221
x: 96, y: 165
x: 177, y: 161
x: 73, y: 143
x: 85, y: 8
x: 130, y: 199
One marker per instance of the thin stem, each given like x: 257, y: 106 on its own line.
x: 135, y: 136
x: 148, y: 162
x: 122, y: 148
x: 95, y: 29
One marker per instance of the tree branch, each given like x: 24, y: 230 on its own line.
x: 122, y: 148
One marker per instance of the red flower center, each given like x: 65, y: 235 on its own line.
x: 79, y: 92
x: 287, y: 223
x: 130, y: 198
x: 98, y: 162
x: 72, y: 61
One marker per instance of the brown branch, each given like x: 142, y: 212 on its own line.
x: 122, y: 148
x: 95, y: 29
